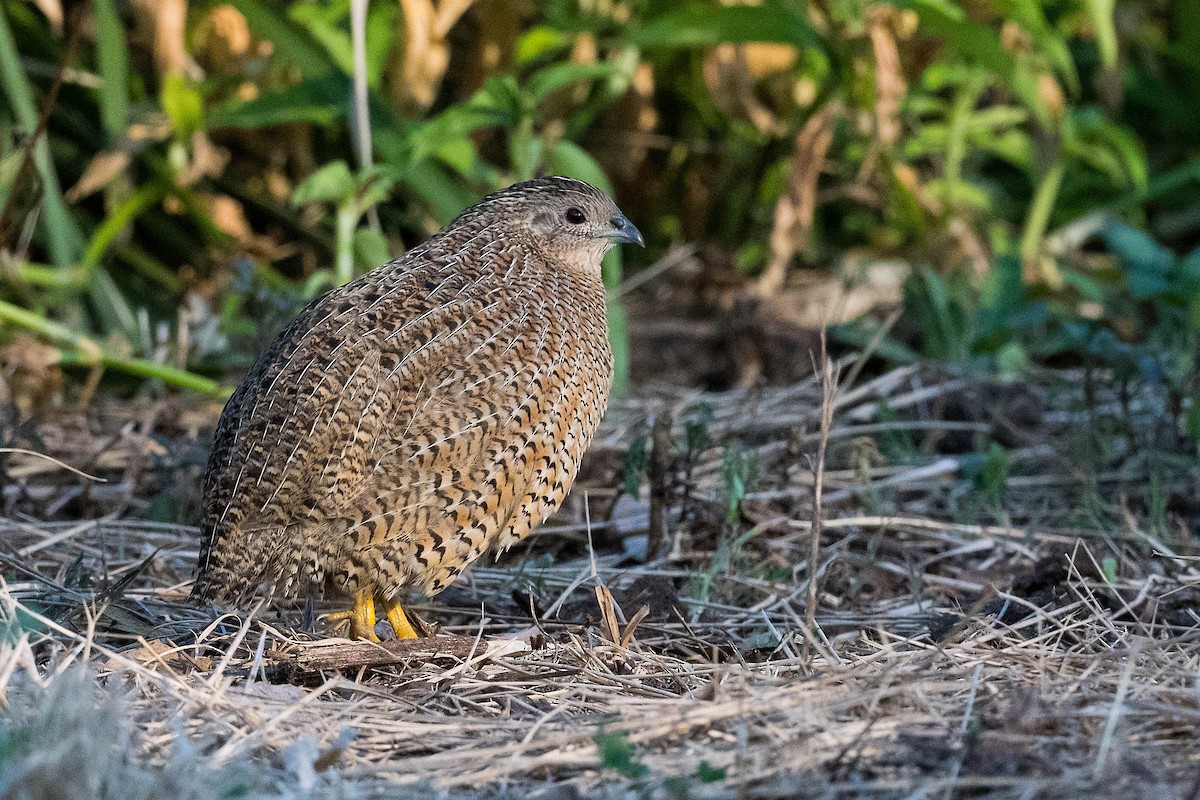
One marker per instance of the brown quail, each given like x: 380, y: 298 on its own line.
x: 419, y: 416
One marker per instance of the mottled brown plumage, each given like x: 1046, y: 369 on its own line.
x: 423, y: 414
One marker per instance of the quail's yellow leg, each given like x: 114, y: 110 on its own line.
x: 362, y: 616
x: 396, y: 618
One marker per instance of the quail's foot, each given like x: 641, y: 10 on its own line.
x: 395, y: 617
x: 361, y: 617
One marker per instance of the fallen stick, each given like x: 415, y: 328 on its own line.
x: 342, y: 655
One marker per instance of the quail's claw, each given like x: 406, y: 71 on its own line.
x: 361, y: 617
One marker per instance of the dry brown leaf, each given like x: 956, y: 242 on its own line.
x: 163, y: 23
x: 426, y: 54
x: 108, y: 164
x: 732, y: 73
x: 634, y: 120
x: 154, y: 129
x: 227, y: 214
x: 32, y: 373
x: 890, y: 86
x: 207, y: 160
x: 735, y: 74
x: 610, y: 624
x: 794, y: 210
x: 53, y: 11
x: 156, y: 654
x: 969, y: 247
x: 1014, y: 38
x: 627, y: 634
x: 103, y: 168
x: 908, y: 178
x: 1052, y: 95
x: 223, y: 40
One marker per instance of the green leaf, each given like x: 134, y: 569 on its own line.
x: 322, y: 100
x: 381, y: 35
x: 738, y: 469
x: 497, y: 104
x: 456, y: 124
x: 539, y: 41
x: 327, y: 25
x: 864, y: 332
x: 616, y: 753
x: 1012, y: 359
x: 964, y: 193
x: 636, y: 459
x: 462, y: 157
x: 570, y: 160
x: 332, y: 183
x: 375, y: 184
x: 370, y: 248
x: 991, y: 473
x: 1048, y: 42
x: 980, y: 47
x: 1108, y: 566
x: 707, y: 773
x: 436, y: 187
x: 268, y: 21
x: 555, y: 77
x: 1015, y: 147
x: 1104, y: 25
x: 708, y: 25
x: 1185, y: 279
x: 1107, y: 147
x: 618, y: 340
x: 1002, y: 297
x: 1147, y: 264
x: 183, y: 104
x: 115, y: 315
x: 118, y: 220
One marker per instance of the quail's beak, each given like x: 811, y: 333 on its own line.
x: 623, y: 231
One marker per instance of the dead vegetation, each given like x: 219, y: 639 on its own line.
x: 1015, y: 625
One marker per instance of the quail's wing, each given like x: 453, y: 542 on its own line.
x: 346, y: 390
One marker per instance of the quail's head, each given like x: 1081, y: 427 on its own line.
x: 568, y: 221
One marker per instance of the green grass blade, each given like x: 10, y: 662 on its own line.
x: 113, y: 61
x: 618, y: 339
x: 1104, y: 25
x: 84, y: 351
x: 118, y: 220
x: 142, y: 368
x: 63, y: 239
x: 1040, y: 211
x: 111, y: 306
x: 12, y: 76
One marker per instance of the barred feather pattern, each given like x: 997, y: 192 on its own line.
x: 419, y: 416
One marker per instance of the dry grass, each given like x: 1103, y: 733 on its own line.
x: 1025, y: 636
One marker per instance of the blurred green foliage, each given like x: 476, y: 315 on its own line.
x: 1037, y: 161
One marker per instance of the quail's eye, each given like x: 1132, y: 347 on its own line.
x: 575, y: 216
